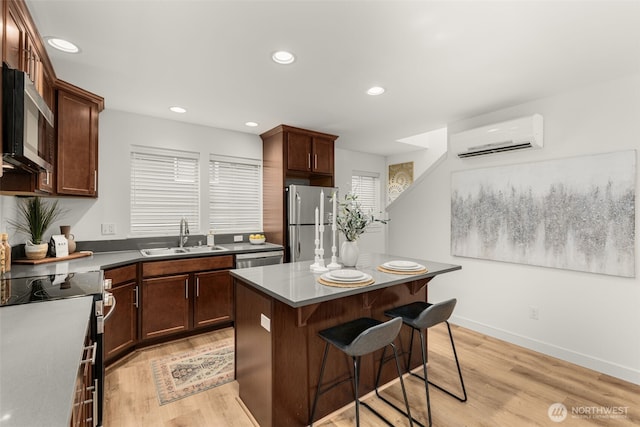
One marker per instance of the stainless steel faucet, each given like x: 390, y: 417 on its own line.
x: 184, y: 231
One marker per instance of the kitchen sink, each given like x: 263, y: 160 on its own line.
x: 181, y: 251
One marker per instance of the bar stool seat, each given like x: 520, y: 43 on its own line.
x: 357, y: 338
x: 421, y: 316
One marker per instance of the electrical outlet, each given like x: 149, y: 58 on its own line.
x: 108, y: 229
x: 237, y: 238
x: 533, y: 313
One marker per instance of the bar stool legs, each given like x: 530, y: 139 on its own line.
x: 355, y: 339
x: 424, y: 358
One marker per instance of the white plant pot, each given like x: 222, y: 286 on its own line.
x: 36, y: 251
x: 349, y: 253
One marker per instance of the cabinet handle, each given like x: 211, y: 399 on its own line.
x: 309, y: 160
x: 95, y: 180
x: 197, y: 287
x: 94, y: 349
x: 315, y: 161
x: 186, y: 289
x: 136, y: 302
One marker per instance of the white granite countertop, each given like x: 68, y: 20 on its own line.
x: 104, y: 260
x: 295, y: 285
x: 41, y: 348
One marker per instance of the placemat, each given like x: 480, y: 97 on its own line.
x: 386, y: 270
x: 346, y: 285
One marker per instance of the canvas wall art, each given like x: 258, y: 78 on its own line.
x: 400, y: 178
x: 575, y: 213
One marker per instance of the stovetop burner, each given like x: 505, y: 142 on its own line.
x: 26, y: 290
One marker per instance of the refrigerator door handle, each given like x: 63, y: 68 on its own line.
x: 298, y: 208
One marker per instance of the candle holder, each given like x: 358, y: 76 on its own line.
x: 318, y: 265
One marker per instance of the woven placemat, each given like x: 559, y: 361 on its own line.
x: 346, y: 285
x: 386, y: 270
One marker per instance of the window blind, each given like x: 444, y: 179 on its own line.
x: 235, y: 195
x: 164, y: 188
x: 366, y: 185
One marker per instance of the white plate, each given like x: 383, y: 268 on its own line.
x: 401, y: 264
x: 346, y: 275
x: 414, y: 267
x: 330, y: 278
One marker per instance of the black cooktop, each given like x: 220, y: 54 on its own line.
x: 26, y: 290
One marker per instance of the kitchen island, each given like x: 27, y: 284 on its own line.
x: 279, y: 310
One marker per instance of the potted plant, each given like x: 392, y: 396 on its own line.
x: 352, y: 221
x: 35, y: 216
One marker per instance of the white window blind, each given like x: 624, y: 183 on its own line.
x: 235, y: 195
x: 366, y: 185
x: 164, y: 188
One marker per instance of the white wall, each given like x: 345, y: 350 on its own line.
x: 588, y: 319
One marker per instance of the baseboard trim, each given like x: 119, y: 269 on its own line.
x: 599, y: 365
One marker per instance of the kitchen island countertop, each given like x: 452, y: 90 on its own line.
x: 295, y: 285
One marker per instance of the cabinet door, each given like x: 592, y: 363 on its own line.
x: 322, y: 156
x: 213, y: 298
x: 14, y: 38
x: 298, y: 152
x: 77, y: 161
x: 165, y: 305
x: 120, y: 329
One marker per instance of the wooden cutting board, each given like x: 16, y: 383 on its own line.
x: 74, y: 255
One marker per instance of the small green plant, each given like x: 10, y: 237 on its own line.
x: 352, y: 220
x: 35, y: 216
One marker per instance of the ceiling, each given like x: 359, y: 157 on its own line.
x: 439, y: 61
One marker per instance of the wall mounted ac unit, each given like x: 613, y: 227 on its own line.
x: 517, y: 134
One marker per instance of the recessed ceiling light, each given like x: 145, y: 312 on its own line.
x: 251, y: 124
x: 62, y: 45
x: 283, y: 57
x: 177, y: 109
x: 376, y: 90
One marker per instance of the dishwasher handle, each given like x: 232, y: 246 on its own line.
x: 256, y: 255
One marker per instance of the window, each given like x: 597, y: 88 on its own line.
x: 366, y: 185
x: 164, y: 188
x: 235, y: 195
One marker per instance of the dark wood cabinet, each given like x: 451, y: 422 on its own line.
x: 213, y: 299
x: 185, y: 294
x: 165, y: 305
x: 308, y: 153
x: 14, y: 33
x: 77, y: 128
x: 291, y: 154
x: 121, y: 327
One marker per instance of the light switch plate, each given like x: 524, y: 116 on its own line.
x: 265, y: 322
x: 108, y: 229
x: 237, y: 238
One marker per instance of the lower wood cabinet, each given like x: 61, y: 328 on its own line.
x: 165, y: 305
x: 121, y: 327
x: 186, y: 294
x: 214, y: 299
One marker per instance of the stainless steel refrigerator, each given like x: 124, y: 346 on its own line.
x: 302, y: 201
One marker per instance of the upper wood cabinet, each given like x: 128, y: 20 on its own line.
x: 77, y: 129
x: 308, y: 153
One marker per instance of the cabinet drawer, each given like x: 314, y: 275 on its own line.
x: 121, y: 274
x: 159, y: 268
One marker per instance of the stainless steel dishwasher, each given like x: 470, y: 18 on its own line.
x: 259, y: 259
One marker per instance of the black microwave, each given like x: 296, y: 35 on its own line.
x: 27, y: 122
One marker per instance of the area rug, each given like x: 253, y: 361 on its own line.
x: 185, y: 374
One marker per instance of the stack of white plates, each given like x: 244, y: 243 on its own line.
x: 346, y: 276
x: 404, y: 266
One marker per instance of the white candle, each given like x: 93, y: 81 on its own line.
x: 322, y: 218
x: 317, y: 226
x: 334, y: 225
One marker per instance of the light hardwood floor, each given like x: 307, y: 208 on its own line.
x: 507, y: 386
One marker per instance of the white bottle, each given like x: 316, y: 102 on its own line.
x: 210, y: 239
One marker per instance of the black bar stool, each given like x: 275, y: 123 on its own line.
x: 357, y: 338
x: 421, y: 316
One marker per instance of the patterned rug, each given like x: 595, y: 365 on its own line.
x: 188, y: 373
